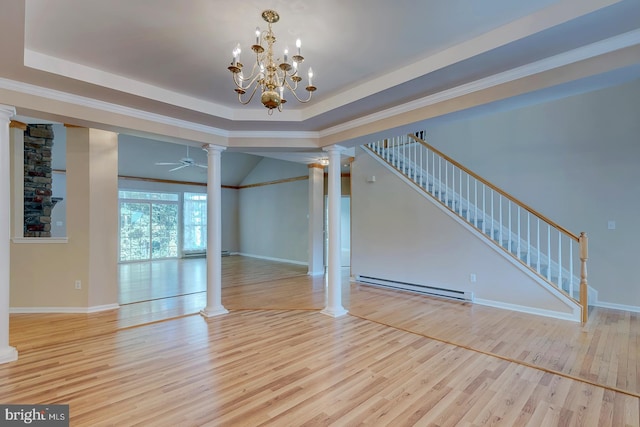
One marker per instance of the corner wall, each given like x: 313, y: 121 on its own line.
x: 43, y: 274
x: 273, y: 218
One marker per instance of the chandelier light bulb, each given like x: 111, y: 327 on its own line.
x: 310, y: 76
x: 257, y: 35
x: 298, y: 44
x: 286, y: 55
x: 236, y: 54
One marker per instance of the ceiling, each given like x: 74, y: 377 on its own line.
x: 377, y: 64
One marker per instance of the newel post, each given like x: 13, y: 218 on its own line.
x: 584, y: 254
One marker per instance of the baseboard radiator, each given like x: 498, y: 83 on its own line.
x: 202, y: 254
x: 413, y: 287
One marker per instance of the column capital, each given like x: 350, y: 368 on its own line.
x: 213, y: 147
x: 7, y: 111
x: 334, y: 148
x: 14, y: 124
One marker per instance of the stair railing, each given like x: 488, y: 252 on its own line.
x: 548, y: 249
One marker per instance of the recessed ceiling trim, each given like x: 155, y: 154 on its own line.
x: 274, y: 134
x: 612, y: 44
x: 82, y: 101
x: 51, y: 64
x: 563, y: 11
x: 615, y: 43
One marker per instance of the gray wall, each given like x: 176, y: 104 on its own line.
x: 273, y: 219
x: 575, y: 160
x: 398, y: 234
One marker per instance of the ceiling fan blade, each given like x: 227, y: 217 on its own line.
x: 179, y: 167
x: 167, y: 164
x: 200, y: 166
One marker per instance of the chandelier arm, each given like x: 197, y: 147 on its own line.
x: 255, y: 88
x: 291, y: 88
x: 251, y: 83
x: 300, y: 100
x: 251, y: 79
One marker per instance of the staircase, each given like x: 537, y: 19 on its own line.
x: 554, y: 254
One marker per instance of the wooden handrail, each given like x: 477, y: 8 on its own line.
x: 496, y: 189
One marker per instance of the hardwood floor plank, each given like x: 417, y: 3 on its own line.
x: 399, y: 359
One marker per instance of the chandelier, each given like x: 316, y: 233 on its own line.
x: 269, y: 74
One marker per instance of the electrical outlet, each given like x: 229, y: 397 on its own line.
x: 472, y: 277
x: 78, y: 284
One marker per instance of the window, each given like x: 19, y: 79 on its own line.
x: 148, y: 225
x: 194, y: 225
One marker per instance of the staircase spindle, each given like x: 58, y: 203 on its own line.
x: 571, y: 261
x: 492, y: 216
x: 538, y: 246
x: 509, y: 227
x: 518, y: 245
x: 548, y: 252
x: 484, y: 209
x: 560, y: 264
x: 528, y: 239
x: 468, y: 182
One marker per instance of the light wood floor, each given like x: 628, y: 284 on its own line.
x: 396, y: 359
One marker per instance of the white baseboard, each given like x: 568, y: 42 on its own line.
x: 623, y: 307
x: 530, y: 310
x: 68, y: 310
x: 8, y: 354
x: 272, y: 259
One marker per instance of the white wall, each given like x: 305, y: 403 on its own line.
x: 575, y: 160
x: 397, y: 234
x: 273, y: 218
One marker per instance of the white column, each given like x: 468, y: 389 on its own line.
x: 16, y: 135
x: 316, y: 219
x: 334, y: 306
x: 214, y: 233
x: 7, y: 353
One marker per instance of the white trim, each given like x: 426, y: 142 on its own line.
x: 575, y: 317
x: 69, y: 310
x: 274, y: 134
x: 83, y: 101
x: 599, y: 48
x: 272, y: 259
x: 74, y: 70
x: 611, y: 305
x: 8, y: 354
x: 586, y: 52
x: 40, y: 240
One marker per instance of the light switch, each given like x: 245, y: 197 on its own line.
x: 611, y: 225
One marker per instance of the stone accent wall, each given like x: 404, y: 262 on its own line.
x: 38, y: 141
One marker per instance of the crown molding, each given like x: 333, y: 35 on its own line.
x: 599, y: 48
x: 602, y: 47
x: 82, y: 101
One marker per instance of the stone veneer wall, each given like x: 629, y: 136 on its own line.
x: 38, y: 203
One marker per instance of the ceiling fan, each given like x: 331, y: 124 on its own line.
x: 184, y: 162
